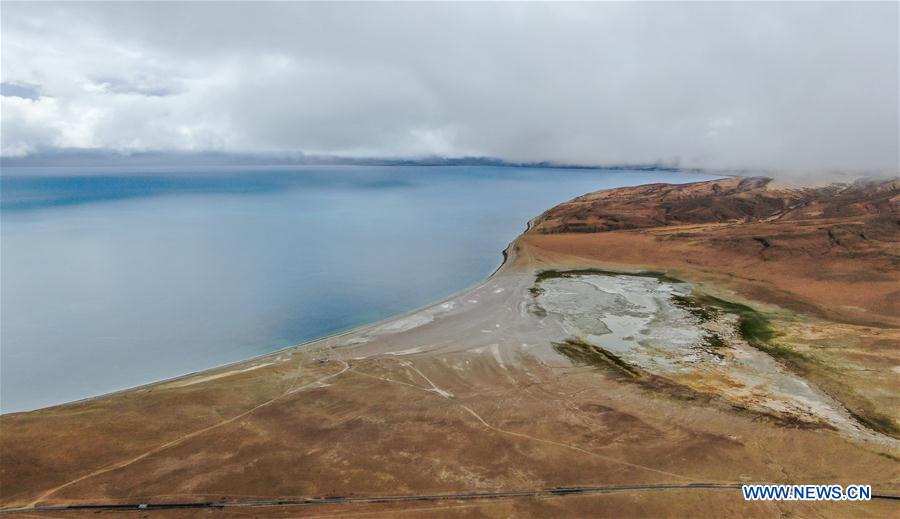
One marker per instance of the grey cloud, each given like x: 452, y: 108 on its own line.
x: 142, y: 86
x: 799, y: 86
x: 23, y: 91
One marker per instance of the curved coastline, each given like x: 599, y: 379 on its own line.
x: 275, y: 295
x: 460, y: 385
x: 508, y: 255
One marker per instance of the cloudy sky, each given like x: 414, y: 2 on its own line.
x: 797, y: 86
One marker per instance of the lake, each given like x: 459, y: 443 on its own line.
x: 115, y: 277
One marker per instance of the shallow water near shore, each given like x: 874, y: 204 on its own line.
x: 115, y: 277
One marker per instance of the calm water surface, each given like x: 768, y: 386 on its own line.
x: 112, y: 278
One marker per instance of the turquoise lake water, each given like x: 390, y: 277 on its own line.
x: 115, y: 277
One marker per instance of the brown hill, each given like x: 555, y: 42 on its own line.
x: 729, y: 200
x: 824, y: 263
x: 801, y: 243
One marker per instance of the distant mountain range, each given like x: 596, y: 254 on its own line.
x: 87, y: 157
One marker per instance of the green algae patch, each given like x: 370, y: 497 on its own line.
x: 755, y: 328
x: 691, y: 306
x: 714, y: 341
x: 753, y: 325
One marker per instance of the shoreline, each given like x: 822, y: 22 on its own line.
x: 34, y: 384
x: 507, y: 256
x: 490, y: 385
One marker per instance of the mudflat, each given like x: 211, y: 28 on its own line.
x: 641, y: 352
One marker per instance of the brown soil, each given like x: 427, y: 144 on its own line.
x: 811, y: 249
x: 824, y: 261
x: 476, y: 399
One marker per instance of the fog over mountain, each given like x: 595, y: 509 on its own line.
x: 789, y: 86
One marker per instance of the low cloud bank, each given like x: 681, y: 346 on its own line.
x: 792, y: 88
